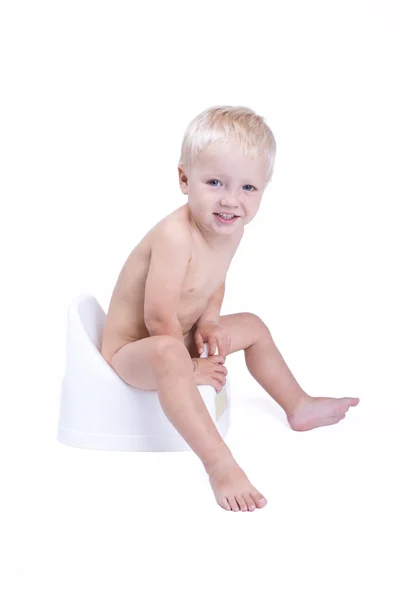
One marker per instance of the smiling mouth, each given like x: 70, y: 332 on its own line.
x: 230, y: 215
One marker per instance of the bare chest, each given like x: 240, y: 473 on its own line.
x: 205, y: 274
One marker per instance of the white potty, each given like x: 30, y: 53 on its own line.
x: 98, y: 410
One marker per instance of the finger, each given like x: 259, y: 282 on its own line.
x: 215, y: 349
x: 212, y: 346
x: 222, y: 351
x: 217, y: 385
x: 198, y: 341
x: 220, y: 377
x: 217, y: 359
x: 215, y: 346
x: 221, y: 369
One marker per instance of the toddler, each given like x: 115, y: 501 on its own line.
x: 167, y: 299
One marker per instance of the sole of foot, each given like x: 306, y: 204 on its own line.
x: 315, y: 412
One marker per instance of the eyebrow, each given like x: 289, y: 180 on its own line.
x: 220, y: 175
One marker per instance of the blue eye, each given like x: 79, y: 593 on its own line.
x: 247, y: 185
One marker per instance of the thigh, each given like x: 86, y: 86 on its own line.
x: 244, y: 329
x: 133, y: 362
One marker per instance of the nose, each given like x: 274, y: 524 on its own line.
x: 229, y: 201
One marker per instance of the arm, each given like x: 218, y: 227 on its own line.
x: 214, y: 306
x: 170, y: 255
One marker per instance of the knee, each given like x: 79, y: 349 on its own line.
x: 167, y: 345
x: 255, y: 322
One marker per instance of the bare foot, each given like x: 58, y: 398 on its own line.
x: 232, y: 489
x: 316, y: 412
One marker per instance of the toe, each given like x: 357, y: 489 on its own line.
x: 259, y: 500
x: 242, y: 503
x: 350, y: 402
x: 224, y: 503
x: 342, y: 406
x: 233, y: 503
x: 250, y: 502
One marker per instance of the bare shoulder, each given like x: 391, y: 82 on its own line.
x: 173, y: 229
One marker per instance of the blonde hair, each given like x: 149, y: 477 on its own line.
x: 219, y: 124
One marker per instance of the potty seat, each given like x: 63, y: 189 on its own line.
x: 100, y: 411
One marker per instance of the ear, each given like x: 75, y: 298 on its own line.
x: 182, y: 179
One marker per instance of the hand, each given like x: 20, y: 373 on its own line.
x: 215, y: 335
x: 210, y: 371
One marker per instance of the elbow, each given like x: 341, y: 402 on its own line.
x: 160, y: 325
x: 153, y: 326
x: 167, y: 327
x: 155, y: 320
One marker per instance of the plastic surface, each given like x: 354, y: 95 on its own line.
x: 98, y: 410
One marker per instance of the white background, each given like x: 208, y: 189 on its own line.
x: 95, y: 99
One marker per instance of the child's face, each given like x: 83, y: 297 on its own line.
x: 223, y: 180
